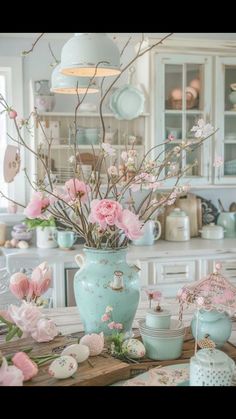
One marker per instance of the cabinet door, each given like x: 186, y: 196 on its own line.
x: 171, y: 276
x: 228, y: 268
x: 225, y: 99
x: 182, y: 97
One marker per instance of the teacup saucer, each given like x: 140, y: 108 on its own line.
x: 67, y: 248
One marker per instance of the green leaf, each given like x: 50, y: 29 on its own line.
x: 13, y: 331
x: 19, y: 333
x: 37, y: 222
x: 6, y: 321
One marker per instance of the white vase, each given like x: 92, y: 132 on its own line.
x: 45, y: 237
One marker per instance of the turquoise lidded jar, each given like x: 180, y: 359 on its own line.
x: 106, y: 279
x: 216, y: 324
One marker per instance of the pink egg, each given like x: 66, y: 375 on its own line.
x: 196, y: 84
x: 176, y: 94
x: 94, y: 342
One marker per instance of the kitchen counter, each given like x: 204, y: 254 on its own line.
x: 162, y: 248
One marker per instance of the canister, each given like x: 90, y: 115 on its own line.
x: 2, y: 233
x: 177, y: 226
x: 211, y: 367
x: 158, y: 319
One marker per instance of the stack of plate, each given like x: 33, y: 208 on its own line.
x: 163, y: 344
x: 127, y: 102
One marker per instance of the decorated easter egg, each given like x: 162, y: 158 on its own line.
x: 95, y: 343
x: 79, y: 352
x: 63, y: 367
x: 133, y: 348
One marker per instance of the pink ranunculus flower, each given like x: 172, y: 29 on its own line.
x: 131, y: 225
x: 28, y: 367
x: 45, y: 330
x: 118, y: 326
x: 19, y: 285
x: 25, y: 316
x: 10, y: 375
x: 12, y: 114
x: 105, y: 317
x: 36, y: 206
x: 40, y: 279
x: 77, y: 189
x: 105, y: 212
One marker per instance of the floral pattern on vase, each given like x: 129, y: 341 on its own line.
x: 96, y: 287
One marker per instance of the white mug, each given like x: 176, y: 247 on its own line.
x: 151, y: 233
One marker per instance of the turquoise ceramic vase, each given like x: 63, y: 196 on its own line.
x: 213, y: 323
x: 105, y: 279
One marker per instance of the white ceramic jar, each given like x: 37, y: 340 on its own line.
x: 177, y: 226
x: 45, y: 237
x: 211, y: 367
x: 158, y: 319
x: 212, y: 232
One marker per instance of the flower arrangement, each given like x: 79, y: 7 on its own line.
x: 213, y: 292
x: 105, y: 212
x: 27, y: 319
x: 153, y: 295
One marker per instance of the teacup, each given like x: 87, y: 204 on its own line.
x: 65, y: 239
x: 151, y: 233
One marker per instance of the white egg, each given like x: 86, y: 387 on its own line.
x: 134, y: 348
x: 63, y: 367
x: 78, y: 351
x: 22, y: 244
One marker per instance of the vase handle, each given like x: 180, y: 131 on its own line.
x: 80, y: 260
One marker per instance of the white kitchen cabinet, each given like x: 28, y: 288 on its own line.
x: 59, y: 126
x: 182, y: 97
x: 228, y: 268
x: 225, y: 100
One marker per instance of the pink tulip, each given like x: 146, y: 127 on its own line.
x: 10, y: 375
x: 40, y: 280
x: 131, y: 225
x: 45, y: 330
x: 12, y: 114
x: 19, y: 285
x: 105, y: 212
x: 25, y: 364
x: 36, y: 206
x: 77, y: 189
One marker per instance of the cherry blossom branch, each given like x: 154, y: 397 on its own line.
x: 33, y: 45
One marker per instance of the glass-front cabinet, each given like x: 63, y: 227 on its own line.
x: 182, y: 97
x: 225, y: 98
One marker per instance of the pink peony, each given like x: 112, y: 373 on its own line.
x: 131, y: 225
x: 12, y: 114
x: 36, y: 206
x: 105, y: 212
x: 25, y: 364
x: 19, y: 285
x: 77, y: 189
x: 45, y: 330
x: 10, y: 375
x: 40, y: 279
x: 25, y: 316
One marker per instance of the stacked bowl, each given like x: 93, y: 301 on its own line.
x: 162, y: 336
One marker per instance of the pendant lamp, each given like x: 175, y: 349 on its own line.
x: 89, y: 55
x: 61, y: 83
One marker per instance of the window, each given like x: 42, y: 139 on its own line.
x: 11, y: 87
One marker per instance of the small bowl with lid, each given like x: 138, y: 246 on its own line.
x: 212, y: 232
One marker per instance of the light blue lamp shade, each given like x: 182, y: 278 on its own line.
x: 70, y: 84
x: 90, y: 55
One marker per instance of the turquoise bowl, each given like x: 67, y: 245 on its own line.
x: 163, y: 348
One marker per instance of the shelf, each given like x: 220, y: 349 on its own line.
x: 230, y: 113
x: 86, y: 114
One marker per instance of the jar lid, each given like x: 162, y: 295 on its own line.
x: 177, y: 212
x: 212, y: 227
x: 159, y: 313
x: 213, y: 357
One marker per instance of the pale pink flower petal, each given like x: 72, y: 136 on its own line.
x: 111, y: 325
x: 19, y: 285
x: 105, y: 212
x: 25, y: 316
x: 77, y: 189
x: 41, y: 279
x: 130, y: 224
x: 10, y: 375
x: 105, y: 317
x: 45, y: 330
